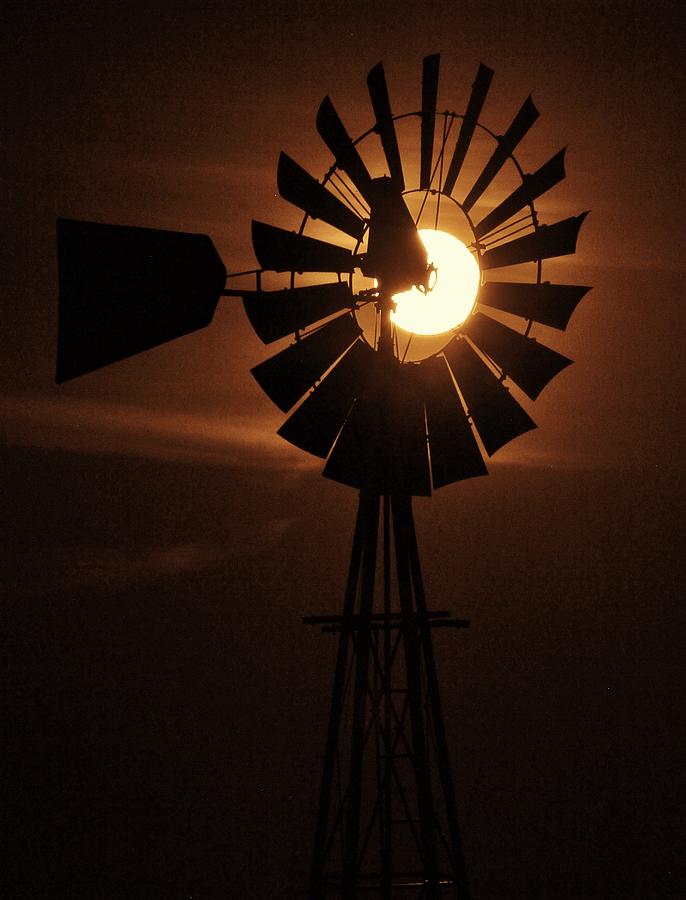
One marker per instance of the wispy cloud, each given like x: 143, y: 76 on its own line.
x: 95, y: 426
x: 111, y: 566
x: 74, y: 568
x: 91, y: 426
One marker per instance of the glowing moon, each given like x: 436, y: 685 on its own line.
x: 453, y: 295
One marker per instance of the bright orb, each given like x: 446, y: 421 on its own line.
x: 453, y: 295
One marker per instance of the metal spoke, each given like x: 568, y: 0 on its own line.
x: 439, y: 162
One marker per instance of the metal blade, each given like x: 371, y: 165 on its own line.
x: 316, y: 422
x: 471, y: 117
x: 521, y: 123
x: 286, y: 376
x: 382, y: 446
x: 378, y: 93
x: 286, y: 251
x: 429, y: 93
x: 410, y: 459
x: 530, y: 364
x: 532, y: 187
x: 453, y: 450
x: 274, y: 314
x: 549, y: 304
x: 548, y: 240
x: 337, y: 139
x: 123, y: 290
x: 496, y: 414
x: 302, y: 190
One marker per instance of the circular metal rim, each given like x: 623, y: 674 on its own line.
x: 433, y: 191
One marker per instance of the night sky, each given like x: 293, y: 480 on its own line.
x: 166, y: 708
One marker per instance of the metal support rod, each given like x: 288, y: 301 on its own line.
x: 386, y: 823
x: 336, y: 707
x: 385, y: 305
x: 444, y: 769
x: 402, y: 510
x: 350, y: 867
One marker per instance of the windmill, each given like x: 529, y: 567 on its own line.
x: 395, y: 385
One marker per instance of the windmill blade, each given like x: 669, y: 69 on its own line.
x: 382, y: 446
x: 471, y: 117
x: 332, y: 130
x: 521, y: 123
x: 286, y: 251
x: 548, y: 240
x: 123, y: 290
x: 302, y: 190
x: 410, y: 458
x: 286, y: 376
x: 496, y: 414
x: 530, y: 364
x: 532, y: 187
x: 378, y: 93
x: 429, y: 94
x: 274, y: 314
x: 453, y: 450
x: 316, y: 422
x: 549, y: 304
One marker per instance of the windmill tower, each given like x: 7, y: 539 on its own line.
x: 397, y: 385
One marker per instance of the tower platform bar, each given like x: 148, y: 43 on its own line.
x: 437, y: 618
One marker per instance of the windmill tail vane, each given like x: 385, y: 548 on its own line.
x: 394, y: 411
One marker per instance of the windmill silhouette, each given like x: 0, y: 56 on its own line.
x: 390, y: 424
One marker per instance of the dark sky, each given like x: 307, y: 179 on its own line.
x: 166, y: 707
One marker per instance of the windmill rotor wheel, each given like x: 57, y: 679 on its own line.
x: 526, y: 222
x: 445, y: 404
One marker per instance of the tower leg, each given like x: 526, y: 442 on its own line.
x: 411, y: 639
x: 364, y: 516
x: 436, y: 708
x: 363, y: 635
x: 387, y: 820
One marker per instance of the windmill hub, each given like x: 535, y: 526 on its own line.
x: 395, y: 256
